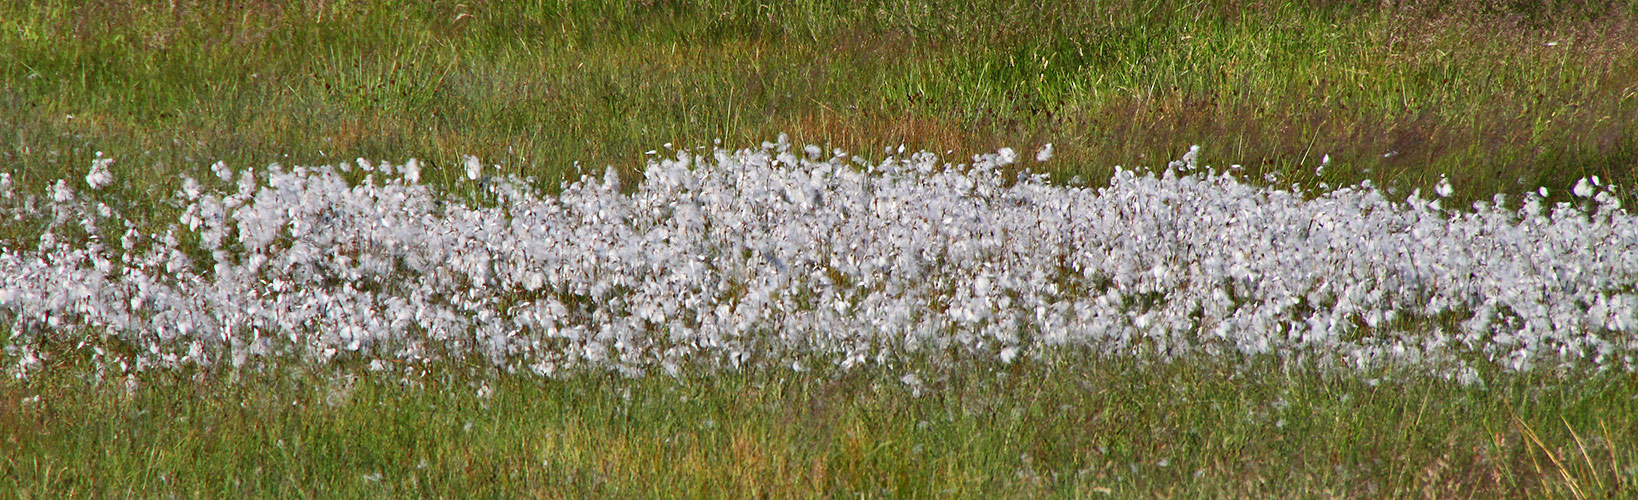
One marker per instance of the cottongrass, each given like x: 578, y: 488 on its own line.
x: 769, y: 257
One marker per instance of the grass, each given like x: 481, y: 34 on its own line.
x: 1499, y: 96
x: 1400, y: 95
x: 1072, y: 427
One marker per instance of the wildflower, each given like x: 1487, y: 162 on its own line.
x: 222, y: 171
x: 99, y: 175
x: 1005, y: 156
x: 411, y: 171
x: 60, y: 193
x: 1583, y: 189
x: 1443, y: 189
x: 1045, y: 153
x: 473, y: 167
x: 913, y: 382
x: 725, y: 256
x: 1008, y: 354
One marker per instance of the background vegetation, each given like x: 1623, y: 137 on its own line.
x: 1501, y: 96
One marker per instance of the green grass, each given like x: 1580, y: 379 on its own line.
x: 1065, y: 428
x: 1464, y: 88
x: 1396, y: 92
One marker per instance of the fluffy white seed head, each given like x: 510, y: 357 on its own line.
x: 1583, y: 189
x: 1443, y: 188
x: 1006, y: 156
x: 474, y: 168
x: 1045, y: 153
x: 99, y: 175
x: 222, y: 171
x: 736, y: 256
x: 411, y: 171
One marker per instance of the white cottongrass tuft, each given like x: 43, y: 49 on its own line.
x: 411, y: 171
x: 763, y: 256
x: 1045, y: 153
x: 222, y: 171
x: 474, y: 168
x: 1006, y: 156
x: 1443, y: 188
x: 1583, y: 189
x: 99, y: 175
x: 1008, y: 354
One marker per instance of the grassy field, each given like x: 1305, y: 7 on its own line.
x: 1063, y: 428
x: 1501, y: 97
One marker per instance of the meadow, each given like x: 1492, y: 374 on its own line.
x: 881, y: 249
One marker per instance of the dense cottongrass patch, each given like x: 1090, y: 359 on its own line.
x: 784, y: 257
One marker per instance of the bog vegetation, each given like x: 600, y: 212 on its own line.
x: 1402, y: 263
x: 795, y: 257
